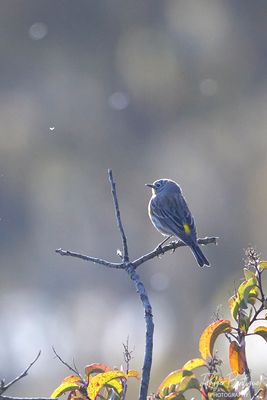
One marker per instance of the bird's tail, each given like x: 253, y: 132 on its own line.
x: 201, y: 259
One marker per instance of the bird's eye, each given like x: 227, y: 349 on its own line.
x: 158, y: 185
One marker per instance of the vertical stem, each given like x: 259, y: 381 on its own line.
x: 249, y: 381
x: 242, y: 345
x: 149, y: 330
x: 118, y: 216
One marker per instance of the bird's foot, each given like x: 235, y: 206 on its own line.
x: 173, y: 243
x: 159, y: 250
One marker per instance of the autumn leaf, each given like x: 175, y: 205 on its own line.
x: 113, y: 379
x: 169, y: 383
x: 262, y: 331
x: 70, y: 383
x: 237, y: 358
x: 262, y: 265
x: 194, y: 363
x: 244, y: 291
x: 95, y: 368
x: 209, y: 336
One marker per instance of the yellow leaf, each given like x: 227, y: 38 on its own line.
x: 234, y: 306
x: 253, y: 294
x: 132, y: 373
x: 99, y: 381
x: 247, y: 293
x: 174, y: 396
x: 263, y: 392
x: 194, y: 363
x: 188, y: 382
x: 237, y: 358
x: 262, y: 331
x: 116, y: 385
x: 70, y: 383
x: 262, y: 265
x: 173, y: 378
x: 209, y: 336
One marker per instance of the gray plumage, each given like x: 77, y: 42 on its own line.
x: 171, y: 216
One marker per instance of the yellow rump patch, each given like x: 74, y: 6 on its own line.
x: 187, y: 229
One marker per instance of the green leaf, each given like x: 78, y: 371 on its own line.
x: 249, y: 274
x: 246, y: 294
x: 244, y: 291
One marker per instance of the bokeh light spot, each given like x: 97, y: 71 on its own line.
x: 159, y: 282
x: 118, y: 101
x: 38, y: 31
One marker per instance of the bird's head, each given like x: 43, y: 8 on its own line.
x: 161, y: 185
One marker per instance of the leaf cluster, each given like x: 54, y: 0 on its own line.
x: 246, y: 306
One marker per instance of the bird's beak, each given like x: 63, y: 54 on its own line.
x: 150, y: 185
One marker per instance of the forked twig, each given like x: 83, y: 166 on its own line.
x: 74, y: 370
x: 130, y: 268
x: 24, y: 373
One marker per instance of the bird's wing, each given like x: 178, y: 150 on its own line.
x: 176, y: 214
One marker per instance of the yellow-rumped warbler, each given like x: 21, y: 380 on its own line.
x: 171, y: 216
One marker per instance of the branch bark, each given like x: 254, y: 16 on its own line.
x: 130, y: 268
x: 140, y: 288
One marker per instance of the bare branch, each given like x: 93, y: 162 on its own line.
x: 149, y: 329
x: 130, y: 268
x: 118, y: 216
x: 168, y: 247
x: 22, y: 375
x: 24, y: 398
x: 89, y: 258
x: 127, y: 354
x: 139, y: 261
x: 75, y: 370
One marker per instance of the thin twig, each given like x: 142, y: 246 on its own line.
x: 89, y: 258
x: 168, y: 247
x: 127, y: 355
x: 139, y: 261
x: 130, y: 268
x: 22, y: 375
x: 118, y: 216
x: 74, y: 370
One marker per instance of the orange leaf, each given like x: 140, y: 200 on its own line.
x: 209, y: 336
x: 72, y: 379
x: 95, y: 368
x: 237, y: 358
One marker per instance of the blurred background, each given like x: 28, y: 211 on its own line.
x: 151, y: 89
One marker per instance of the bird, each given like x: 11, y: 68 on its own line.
x: 169, y: 213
